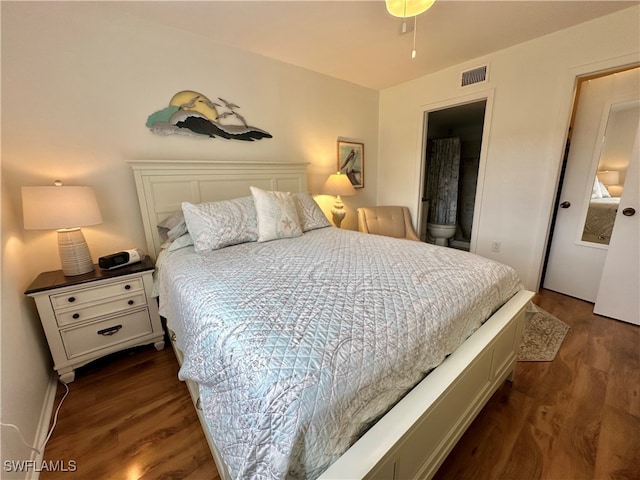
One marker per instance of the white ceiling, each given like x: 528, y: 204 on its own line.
x: 359, y: 41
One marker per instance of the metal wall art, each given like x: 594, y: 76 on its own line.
x: 191, y: 113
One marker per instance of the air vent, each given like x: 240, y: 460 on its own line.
x: 475, y: 75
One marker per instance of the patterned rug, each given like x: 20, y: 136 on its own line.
x: 543, y: 334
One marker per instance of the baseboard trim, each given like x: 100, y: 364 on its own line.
x: 43, y: 425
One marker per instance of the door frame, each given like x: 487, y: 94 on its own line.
x: 571, y: 83
x: 424, y: 110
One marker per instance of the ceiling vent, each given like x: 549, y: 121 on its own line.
x: 475, y: 75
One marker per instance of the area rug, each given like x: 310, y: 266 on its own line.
x: 543, y: 334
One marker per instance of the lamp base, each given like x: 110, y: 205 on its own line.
x: 338, y: 216
x: 74, y: 252
x: 338, y: 212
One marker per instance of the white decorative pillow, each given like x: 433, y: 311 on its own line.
x: 596, y: 192
x: 277, y: 215
x: 216, y: 225
x: 310, y: 215
x: 603, y: 189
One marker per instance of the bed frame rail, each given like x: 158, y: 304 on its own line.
x: 413, y: 439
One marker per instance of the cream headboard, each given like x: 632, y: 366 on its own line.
x: 163, y: 185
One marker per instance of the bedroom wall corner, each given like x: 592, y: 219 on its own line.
x: 27, y: 380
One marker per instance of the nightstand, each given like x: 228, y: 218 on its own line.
x: 88, y: 316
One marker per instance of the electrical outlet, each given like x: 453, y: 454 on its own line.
x: 495, y: 247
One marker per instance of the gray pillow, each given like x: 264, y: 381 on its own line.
x: 172, y: 227
x: 216, y: 225
x: 310, y: 214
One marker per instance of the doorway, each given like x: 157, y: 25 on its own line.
x: 593, y: 182
x: 452, y: 150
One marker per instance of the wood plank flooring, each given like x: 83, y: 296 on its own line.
x: 129, y: 417
x: 574, y: 418
x: 578, y: 417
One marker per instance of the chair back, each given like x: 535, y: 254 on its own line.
x: 391, y: 221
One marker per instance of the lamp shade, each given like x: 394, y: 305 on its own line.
x: 338, y: 184
x: 609, y: 177
x: 408, y: 8
x: 51, y: 208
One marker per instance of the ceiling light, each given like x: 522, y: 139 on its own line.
x: 409, y: 8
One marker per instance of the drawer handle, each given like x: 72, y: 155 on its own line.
x: 71, y: 299
x: 127, y: 287
x: 110, y: 331
x: 76, y: 316
x: 131, y: 302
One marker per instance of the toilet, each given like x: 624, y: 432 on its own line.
x: 441, y: 233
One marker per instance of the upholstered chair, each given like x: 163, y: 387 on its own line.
x: 391, y: 221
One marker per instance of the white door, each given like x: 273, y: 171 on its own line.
x: 619, y: 292
x: 577, y: 255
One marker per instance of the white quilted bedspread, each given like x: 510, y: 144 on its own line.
x: 300, y: 344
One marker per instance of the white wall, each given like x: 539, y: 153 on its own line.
x: 616, y: 149
x: 25, y: 361
x: 532, y: 84
x: 78, y: 83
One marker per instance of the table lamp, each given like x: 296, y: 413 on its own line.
x: 65, y: 209
x: 338, y: 184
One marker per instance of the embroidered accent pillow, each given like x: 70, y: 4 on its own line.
x: 310, y: 215
x: 277, y: 215
x: 216, y: 225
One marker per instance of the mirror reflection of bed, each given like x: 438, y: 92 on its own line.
x: 611, y: 171
x: 601, y: 214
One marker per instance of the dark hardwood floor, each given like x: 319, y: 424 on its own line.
x: 129, y: 417
x: 578, y: 417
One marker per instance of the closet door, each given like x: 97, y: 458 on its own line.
x: 574, y: 266
x: 601, y: 144
x: 619, y: 291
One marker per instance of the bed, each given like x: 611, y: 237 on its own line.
x: 345, y: 407
x: 601, y: 216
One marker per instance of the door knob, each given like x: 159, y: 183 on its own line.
x: 565, y: 204
x: 629, y: 212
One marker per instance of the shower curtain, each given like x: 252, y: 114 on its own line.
x: 442, y: 180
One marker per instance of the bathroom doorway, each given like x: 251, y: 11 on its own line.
x: 452, y: 152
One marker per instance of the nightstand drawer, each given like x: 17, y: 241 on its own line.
x: 89, y: 312
x: 89, y: 338
x: 88, y: 295
x: 97, y: 313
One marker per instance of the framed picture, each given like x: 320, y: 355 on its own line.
x: 351, y: 161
